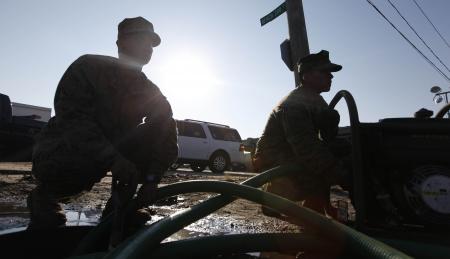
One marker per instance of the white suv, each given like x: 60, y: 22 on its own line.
x: 202, y: 144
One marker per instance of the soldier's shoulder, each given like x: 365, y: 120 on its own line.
x: 152, y: 87
x: 151, y: 84
x: 293, y: 99
x: 95, y: 60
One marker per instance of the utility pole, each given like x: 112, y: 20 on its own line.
x: 297, y: 46
x: 297, y: 33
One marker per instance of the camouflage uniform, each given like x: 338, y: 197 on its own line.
x: 103, y: 108
x: 292, y: 134
x: 301, y: 129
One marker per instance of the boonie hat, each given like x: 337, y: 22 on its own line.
x: 138, y: 25
x: 317, y: 61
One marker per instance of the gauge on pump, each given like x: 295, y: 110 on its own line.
x: 428, y: 194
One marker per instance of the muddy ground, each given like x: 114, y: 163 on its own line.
x: 238, y: 217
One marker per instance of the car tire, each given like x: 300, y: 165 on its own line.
x: 219, y: 162
x: 198, y: 168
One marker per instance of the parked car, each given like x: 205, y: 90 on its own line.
x: 203, y: 144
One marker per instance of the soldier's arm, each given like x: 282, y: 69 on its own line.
x: 75, y: 114
x: 165, y: 149
x: 309, y: 150
x: 164, y: 145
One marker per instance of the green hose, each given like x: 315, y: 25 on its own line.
x: 357, y: 159
x: 236, y: 244
x: 419, y: 249
x: 142, y: 245
x: 90, y: 243
x: 243, y: 243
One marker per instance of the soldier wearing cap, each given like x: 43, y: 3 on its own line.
x: 108, y: 117
x: 298, y: 131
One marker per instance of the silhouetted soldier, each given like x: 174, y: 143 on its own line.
x: 108, y: 117
x: 298, y: 130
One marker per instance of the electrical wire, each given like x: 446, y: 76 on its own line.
x: 432, y: 24
x: 417, y: 34
x: 412, y: 44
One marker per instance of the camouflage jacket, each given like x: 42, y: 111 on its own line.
x: 98, y: 101
x: 292, y: 133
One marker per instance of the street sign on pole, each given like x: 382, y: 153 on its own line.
x: 286, y: 54
x: 274, y: 14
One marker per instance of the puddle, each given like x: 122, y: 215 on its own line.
x: 83, y: 218
x: 15, y: 216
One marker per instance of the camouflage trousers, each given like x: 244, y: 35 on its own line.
x: 307, y: 186
x: 63, y: 173
x: 60, y: 176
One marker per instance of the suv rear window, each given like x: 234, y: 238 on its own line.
x: 189, y: 129
x: 225, y: 134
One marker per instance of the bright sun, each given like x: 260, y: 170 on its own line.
x: 187, y: 75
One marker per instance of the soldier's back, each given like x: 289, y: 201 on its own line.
x: 273, y: 147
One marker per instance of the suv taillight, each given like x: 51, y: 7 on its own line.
x: 241, y: 148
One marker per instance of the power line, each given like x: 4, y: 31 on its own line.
x: 417, y: 34
x: 412, y: 44
x: 435, y: 28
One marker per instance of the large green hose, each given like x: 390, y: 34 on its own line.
x: 243, y: 243
x: 236, y: 244
x: 280, y: 242
x: 90, y: 243
x: 357, y: 157
x: 419, y: 249
x: 142, y: 245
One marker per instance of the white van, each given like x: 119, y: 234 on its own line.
x: 202, y: 144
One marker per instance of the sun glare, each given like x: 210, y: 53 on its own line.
x: 188, y: 75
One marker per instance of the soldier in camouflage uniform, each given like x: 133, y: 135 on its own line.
x: 108, y: 117
x: 298, y: 131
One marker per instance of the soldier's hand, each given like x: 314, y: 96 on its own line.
x: 124, y: 170
x: 328, y: 124
x: 146, y: 194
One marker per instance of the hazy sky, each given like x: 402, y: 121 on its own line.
x: 216, y: 63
